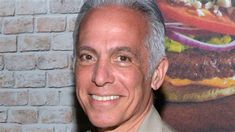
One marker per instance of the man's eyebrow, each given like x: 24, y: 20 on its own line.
x: 86, y: 48
x: 125, y: 49
x: 113, y: 50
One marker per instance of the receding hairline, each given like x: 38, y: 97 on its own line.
x: 138, y: 18
x: 148, y: 9
x: 120, y: 8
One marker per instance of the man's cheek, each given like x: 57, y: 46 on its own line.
x: 130, y: 80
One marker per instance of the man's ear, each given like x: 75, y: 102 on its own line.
x: 159, y: 74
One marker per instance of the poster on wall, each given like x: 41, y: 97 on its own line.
x: 200, y: 84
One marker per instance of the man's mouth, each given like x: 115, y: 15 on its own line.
x: 104, y: 98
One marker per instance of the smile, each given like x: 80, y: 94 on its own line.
x: 104, y: 98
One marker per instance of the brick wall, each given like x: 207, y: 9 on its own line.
x: 36, y: 79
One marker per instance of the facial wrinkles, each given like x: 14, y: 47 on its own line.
x: 111, y: 22
x: 114, y: 29
x: 115, y: 48
x: 120, y: 75
x: 129, y: 80
x: 134, y: 118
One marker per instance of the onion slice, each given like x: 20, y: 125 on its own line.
x: 198, y: 44
x: 187, y: 30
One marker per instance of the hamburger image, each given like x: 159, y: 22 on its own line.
x: 200, y: 45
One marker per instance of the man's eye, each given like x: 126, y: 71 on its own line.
x: 123, y: 59
x: 86, y: 58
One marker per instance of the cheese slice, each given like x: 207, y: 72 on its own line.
x: 213, y: 82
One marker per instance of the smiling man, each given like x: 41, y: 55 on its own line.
x: 120, y: 60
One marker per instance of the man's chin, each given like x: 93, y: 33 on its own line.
x: 103, y: 121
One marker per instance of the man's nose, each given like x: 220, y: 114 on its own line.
x: 102, y: 74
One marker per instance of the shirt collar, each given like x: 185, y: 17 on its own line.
x: 152, y: 122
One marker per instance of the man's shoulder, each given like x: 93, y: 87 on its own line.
x: 154, y: 123
x: 166, y: 127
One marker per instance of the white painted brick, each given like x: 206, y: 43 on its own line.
x: 7, y: 44
x: 1, y: 21
x: 34, y: 42
x: 65, y: 6
x: 16, y: 62
x: 30, y: 79
x: 56, y: 115
x: 15, y: 25
x: 6, y: 79
x: 1, y: 62
x: 62, y: 41
x: 10, y: 128
x: 67, y: 97
x: 60, y: 129
x: 13, y: 97
x: 52, y: 60
x: 60, y: 78
x: 23, y: 116
x: 72, y: 128
x: 51, y: 24
x: 43, y: 97
x: 37, y: 128
x: 31, y: 7
x: 3, y: 115
x: 71, y: 19
x: 71, y: 61
x: 7, y: 7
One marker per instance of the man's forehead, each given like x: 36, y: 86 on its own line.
x: 132, y: 28
x: 115, y: 13
x: 119, y: 9
x: 113, y: 49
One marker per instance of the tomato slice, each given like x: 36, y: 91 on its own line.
x: 210, y: 22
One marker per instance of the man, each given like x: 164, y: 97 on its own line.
x: 120, y: 59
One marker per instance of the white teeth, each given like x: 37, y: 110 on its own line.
x: 104, y: 98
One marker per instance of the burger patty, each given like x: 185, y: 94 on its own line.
x: 196, y: 64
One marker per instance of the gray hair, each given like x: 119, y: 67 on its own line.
x: 155, y: 39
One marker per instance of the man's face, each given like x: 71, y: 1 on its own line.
x: 112, y: 65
